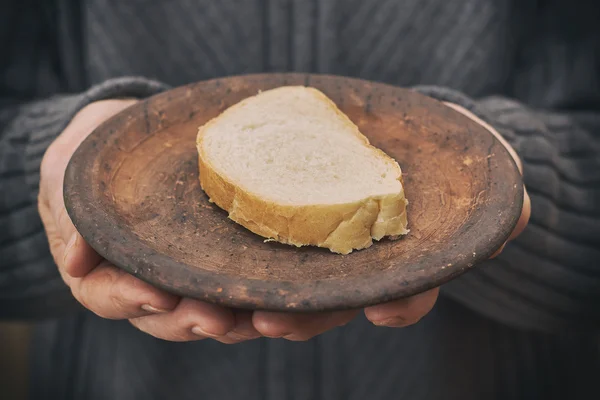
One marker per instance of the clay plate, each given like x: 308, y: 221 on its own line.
x: 132, y: 190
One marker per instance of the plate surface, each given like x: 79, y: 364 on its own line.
x: 132, y: 190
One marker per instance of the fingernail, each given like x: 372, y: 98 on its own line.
x: 154, y: 310
x: 396, y: 322
x: 238, y: 337
x: 68, y: 248
x: 279, y: 336
x: 196, y: 330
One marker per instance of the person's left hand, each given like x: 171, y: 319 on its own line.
x: 397, y: 313
x: 526, y: 211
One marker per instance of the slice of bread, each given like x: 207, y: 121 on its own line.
x: 288, y: 165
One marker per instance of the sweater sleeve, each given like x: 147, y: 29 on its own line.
x: 30, y: 285
x: 39, y: 94
x: 549, y: 278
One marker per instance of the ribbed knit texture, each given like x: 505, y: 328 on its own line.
x: 550, y: 275
x: 524, y: 326
x: 31, y: 285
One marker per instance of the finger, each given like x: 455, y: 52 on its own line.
x: 493, y: 131
x: 402, y: 312
x: 79, y: 257
x: 91, y: 117
x: 52, y: 169
x: 190, y: 320
x: 114, y: 294
x: 51, y: 192
x: 498, y: 252
x: 299, y: 326
x: 244, y: 329
x: 57, y: 157
x: 75, y: 258
x: 66, y: 229
x: 57, y: 245
x: 521, y: 224
x: 524, y: 218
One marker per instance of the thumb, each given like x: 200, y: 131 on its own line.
x: 79, y: 257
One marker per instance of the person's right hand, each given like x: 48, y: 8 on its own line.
x: 101, y: 287
x: 114, y: 294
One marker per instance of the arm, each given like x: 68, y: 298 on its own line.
x: 39, y: 247
x: 30, y: 285
x: 549, y: 278
x: 31, y: 116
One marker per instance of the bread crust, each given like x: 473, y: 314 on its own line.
x: 341, y: 228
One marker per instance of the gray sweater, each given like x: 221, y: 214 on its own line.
x: 523, y: 326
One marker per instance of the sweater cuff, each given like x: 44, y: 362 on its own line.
x: 482, y: 297
x: 546, y: 279
x: 480, y: 290
x: 43, y: 121
x: 487, y: 112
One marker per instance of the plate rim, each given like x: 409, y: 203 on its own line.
x: 275, y: 295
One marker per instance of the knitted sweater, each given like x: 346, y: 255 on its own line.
x: 524, y: 325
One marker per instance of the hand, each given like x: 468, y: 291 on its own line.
x: 526, y: 212
x: 102, y: 288
x: 405, y: 312
x: 397, y: 313
x: 114, y: 294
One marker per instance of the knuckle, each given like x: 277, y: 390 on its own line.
x: 183, y: 335
x: 119, y: 296
x: 63, y: 220
x: 98, y: 294
x: 79, y: 295
x: 119, y: 306
x: 132, y: 290
x: 51, y: 158
x: 43, y: 203
x: 144, y: 324
x: 149, y: 329
x: 181, y: 317
x: 56, y: 244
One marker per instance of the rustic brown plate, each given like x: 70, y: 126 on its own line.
x: 132, y: 191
